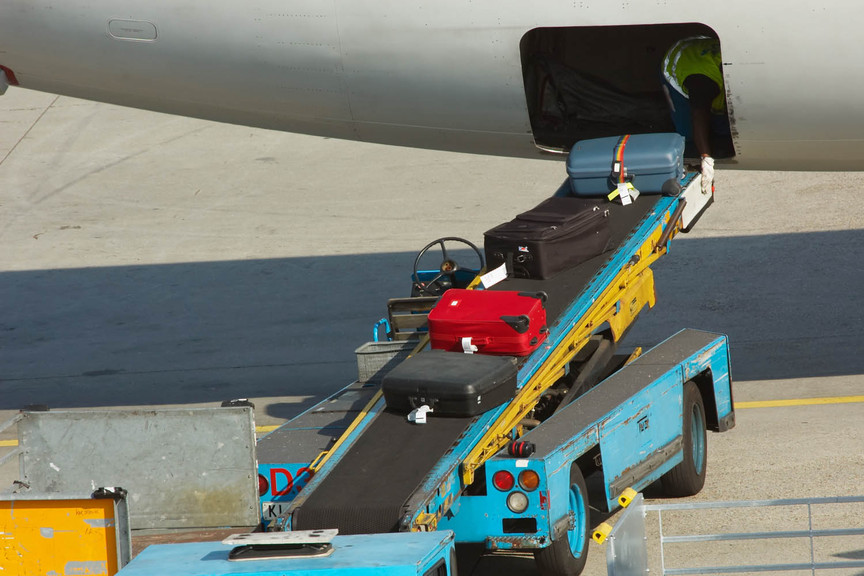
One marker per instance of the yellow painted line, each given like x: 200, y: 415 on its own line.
x: 738, y: 406
x: 800, y: 402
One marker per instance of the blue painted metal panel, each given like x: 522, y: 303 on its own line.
x: 481, y: 518
x: 285, y: 482
x: 478, y: 519
x: 719, y: 364
x: 400, y: 554
x: 632, y: 433
x: 638, y: 429
x: 716, y: 360
x: 469, y: 519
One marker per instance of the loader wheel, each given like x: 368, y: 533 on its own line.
x: 566, y: 556
x: 688, y: 477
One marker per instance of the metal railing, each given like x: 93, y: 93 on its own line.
x: 628, y: 550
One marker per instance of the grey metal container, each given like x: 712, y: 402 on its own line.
x: 375, y: 359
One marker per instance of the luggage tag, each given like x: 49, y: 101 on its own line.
x: 494, y: 276
x: 418, y: 415
x: 626, y: 192
x: 470, y: 345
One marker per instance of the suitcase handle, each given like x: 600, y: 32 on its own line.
x: 519, y: 323
x: 482, y: 341
x: 542, y: 296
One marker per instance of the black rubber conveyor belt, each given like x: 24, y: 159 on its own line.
x: 365, y: 491
x: 565, y: 286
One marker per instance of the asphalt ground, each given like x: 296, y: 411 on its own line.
x: 151, y: 260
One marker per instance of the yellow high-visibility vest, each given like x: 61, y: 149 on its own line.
x: 697, y: 55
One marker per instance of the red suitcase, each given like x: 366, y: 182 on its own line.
x: 504, y: 323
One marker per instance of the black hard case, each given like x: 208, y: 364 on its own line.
x: 558, y: 234
x: 451, y: 383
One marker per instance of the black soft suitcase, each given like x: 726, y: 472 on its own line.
x: 558, y: 234
x: 451, y: 383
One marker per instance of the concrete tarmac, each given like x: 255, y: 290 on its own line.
x: 151, y: 260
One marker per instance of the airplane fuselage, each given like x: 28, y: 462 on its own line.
x: 445, y: 75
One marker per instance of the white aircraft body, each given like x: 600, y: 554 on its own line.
x: 465, y: 75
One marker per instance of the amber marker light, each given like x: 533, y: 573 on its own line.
x: 529, y: 480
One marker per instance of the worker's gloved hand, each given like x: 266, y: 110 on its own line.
x: 707, y: 175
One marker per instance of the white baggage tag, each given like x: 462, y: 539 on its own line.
x: 634, y: 193
x: 467, y: 347
x: 624, y: 194
x: 494, y: 276
x: 418, y: 415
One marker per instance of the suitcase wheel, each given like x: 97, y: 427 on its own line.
x: 519, y: 323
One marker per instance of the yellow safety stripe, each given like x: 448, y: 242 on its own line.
x: 324, y: 456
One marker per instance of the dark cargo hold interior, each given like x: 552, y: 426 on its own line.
x: 592, y: 82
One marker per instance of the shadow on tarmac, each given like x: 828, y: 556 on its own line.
x: 191, y: 333
x: 205, y: 332
x: 789, y: 303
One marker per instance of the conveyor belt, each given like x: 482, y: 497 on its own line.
x: 365, y: 491
x: 565, y: 286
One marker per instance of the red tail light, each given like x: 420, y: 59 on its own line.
x: 263, y: 485
x: 503, y: 480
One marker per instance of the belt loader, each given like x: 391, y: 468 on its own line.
x: 514, y: 477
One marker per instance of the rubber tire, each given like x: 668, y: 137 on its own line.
x: 688, y: 477
x: 454, y: 569
x: 558, y: 559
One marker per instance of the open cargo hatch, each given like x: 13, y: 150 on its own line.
x: 598, y: 81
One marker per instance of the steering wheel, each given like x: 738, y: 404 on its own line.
x: 448, y: 268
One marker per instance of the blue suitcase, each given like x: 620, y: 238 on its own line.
x: 653, y: 163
